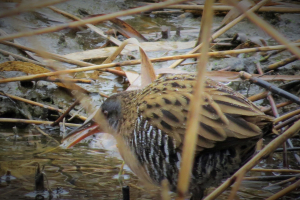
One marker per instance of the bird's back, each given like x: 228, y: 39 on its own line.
x: 154, y: 124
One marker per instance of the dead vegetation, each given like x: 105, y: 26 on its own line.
x: 40, y: 64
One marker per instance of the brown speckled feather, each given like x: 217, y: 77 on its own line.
x: 165, y: 104
x: 153, y: 120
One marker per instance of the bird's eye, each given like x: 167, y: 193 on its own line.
x: 105, y: 113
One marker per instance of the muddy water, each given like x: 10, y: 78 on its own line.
x: 86, y: 171
x: 90, y: 170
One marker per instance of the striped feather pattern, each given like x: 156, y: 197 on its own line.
x: 153, y: 123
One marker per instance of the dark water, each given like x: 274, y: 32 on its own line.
x: 86, y: 171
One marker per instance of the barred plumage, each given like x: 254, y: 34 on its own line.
x: 153, y: 123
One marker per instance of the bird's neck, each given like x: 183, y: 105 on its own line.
x: 129, y: 111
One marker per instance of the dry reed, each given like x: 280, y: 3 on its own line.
x: 193, y: 119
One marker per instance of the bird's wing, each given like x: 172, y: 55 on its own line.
x: 225, y: 112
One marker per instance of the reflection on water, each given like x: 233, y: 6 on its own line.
x: 79, y: 173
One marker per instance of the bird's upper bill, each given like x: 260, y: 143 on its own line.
x: 80, y: 133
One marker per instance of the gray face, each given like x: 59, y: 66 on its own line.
x: 111, y: 108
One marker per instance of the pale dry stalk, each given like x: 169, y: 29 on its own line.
x: 189, y: 143
x: 27, y: 121
x: 222, y: 30
x: 92, y: 20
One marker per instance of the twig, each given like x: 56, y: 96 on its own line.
x: 268, y: 178
x: 284, y: 191
x: 283, y: 182
x: 287, y: 116
x: 270, y: 87
x: 264, y: 94
x: 167, y: 12
x: 276, y: 170
x: 281, y: 63
x: 287, y: 122
x: 265, y: 110
x: 65, y: 113
x: 27, y: 121
x: 259, y: 96
x: 264, y: 152
x: 191, y: 63
x: 273, y: 53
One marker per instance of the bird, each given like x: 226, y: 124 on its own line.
x: 152, y: 121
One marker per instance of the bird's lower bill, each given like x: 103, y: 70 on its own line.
x: 80, y: 133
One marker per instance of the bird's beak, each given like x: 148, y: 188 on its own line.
x: 88, y: 128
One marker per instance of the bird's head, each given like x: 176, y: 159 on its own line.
x: 112, y: 110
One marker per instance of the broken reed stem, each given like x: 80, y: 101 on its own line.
x: 135, y: 62
x: 26, y: 121
x: 268, y: 178
x: 284, y: 191
x: 276, y: 170
x: 31, y: 102
x: 281, y: 63
x: 221, y: 31
x: 287, y: 116
x: 284, y: 181
x: 287, y: 122
x: 92, y: 20
x: 193, y: 119
x: 267, y: 28
x: 23, y: 7
x: 228, y: 8
x: 38, y: 104
x: 20, y: 57
x: 277, y: 106
x: 264, y: 152
x: 259, y: 96
x: 60, y: 58
x: 273, y: 53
